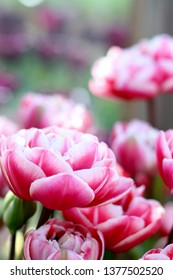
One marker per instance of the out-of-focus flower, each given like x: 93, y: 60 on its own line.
x: 13, y: 41
x: 61, y: 240
x: 8, y: 84
x: 167, y: 219
x: 7, y: 127
x: 142, y: 71
x: 164, y: 147
x: 134, y: 146
x: 61, y: 168
x: 159, y: 254
x: 51, y: 19
x: 39, y: 110
x: 9, y: 81
x: 124, y: 225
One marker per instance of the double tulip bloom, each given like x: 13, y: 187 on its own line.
x: 134, y: 146
x: 125, y: 224
x: 41, y: 110
x: 61, y: 168
x: 61, y: 240
x: 142, y: 71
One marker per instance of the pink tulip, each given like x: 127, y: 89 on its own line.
x: 134, y: 146
x: 7, y: 127
x: 167, y: 219
x: 124, y: 225
x: 41, y: 110
x: 159, y: 254
x: 61, y: 168
x: 142, y: 71
x: 60, y: 240
x: 164, y: 146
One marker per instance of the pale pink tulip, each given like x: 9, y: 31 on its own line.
x: 159, y: 254
x: 61, y: 240
x: 123, y: 225
x: 164, y: 148
x: 61, y: 168
x: 142, y: 71
x: 134, y: 146
x: 41, y: 110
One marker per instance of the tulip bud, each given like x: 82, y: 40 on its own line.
x: 16, y: 211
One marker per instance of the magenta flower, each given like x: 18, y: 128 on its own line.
x: 40, y: 110
x: 123, y: 225
x: 164, y: 148
x: 61, y: 168
x: 159, y: 254
x: 142, y: 71
x: 134, y: 146
x: 61, y: 240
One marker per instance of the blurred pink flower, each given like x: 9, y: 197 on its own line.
x: 39, y: 110
x: 159, y: 254
x: 134, y: 146
x: 60, y: 240
x: 9, y: 81
x: 61, y: 168
x: 51, y: 19
x: 124, y: 225
x: 142, y: 71
x: 164, y: 148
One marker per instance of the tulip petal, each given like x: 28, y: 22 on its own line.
x: 168, y: 173
x: 53, y: 164
x: 82, y: 155
x: 64, y: 254
x: 62, y: 191
x: 20, y: 173
x: 162, y: 151
x: 116, y: 230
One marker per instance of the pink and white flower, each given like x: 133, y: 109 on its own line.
x: 60, y: 240
x: 134, y: 146
x: 41, y: 110
x: 124, y: 224
x: 142, y: 71
x: 61, y: 168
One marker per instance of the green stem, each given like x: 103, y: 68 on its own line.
x: 45, y: 215
x: 12, y: 247
x: 152, y: 112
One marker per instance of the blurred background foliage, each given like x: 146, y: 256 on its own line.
x: 57, y: 43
